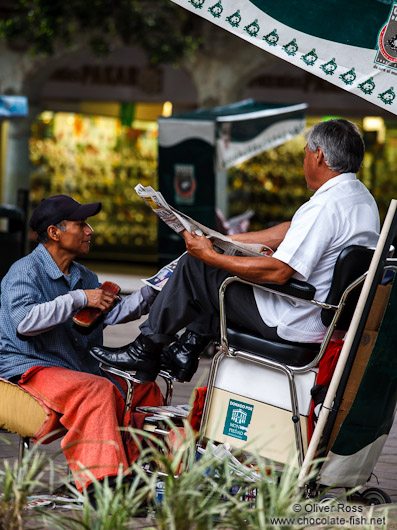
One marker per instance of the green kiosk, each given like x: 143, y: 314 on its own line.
x: 196, y: 149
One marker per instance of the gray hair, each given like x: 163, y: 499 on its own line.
x: 44, y: 238
x: 340, y: 142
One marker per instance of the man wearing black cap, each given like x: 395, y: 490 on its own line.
x: 46, y: 354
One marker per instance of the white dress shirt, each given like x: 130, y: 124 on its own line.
x: 340, y: 213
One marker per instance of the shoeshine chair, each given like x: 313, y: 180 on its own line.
x: 265, y: 385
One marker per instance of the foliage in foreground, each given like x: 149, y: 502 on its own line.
x: 17, y: 483
x: 174, y: 488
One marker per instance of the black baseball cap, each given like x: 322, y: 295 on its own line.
x: 57, y: 208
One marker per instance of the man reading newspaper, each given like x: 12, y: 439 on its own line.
x: 341, y: 212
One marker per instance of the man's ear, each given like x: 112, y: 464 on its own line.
x: 53, y: 233
x: 319, y: 156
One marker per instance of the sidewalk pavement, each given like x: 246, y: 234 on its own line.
x: 126, y: 282
x: 127, y: 277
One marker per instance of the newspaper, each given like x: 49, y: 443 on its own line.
x: 170, y: 411
x: 162, y: 276
x: 223, y: 452
x: 179, y: 222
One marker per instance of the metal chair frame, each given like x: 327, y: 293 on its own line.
x: 290, y: 371
x: 129, y: 378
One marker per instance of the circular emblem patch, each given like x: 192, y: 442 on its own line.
x: 387, y: 43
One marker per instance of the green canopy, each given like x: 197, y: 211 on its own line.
x: 350, y: 44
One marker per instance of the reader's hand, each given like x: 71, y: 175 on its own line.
x: 101, y: 299
x: 197, y: 246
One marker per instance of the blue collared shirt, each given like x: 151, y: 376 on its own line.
x: 36, y: 279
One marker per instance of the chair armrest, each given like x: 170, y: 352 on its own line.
x: 293, y: 287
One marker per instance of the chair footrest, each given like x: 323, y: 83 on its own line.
x: 125, y: 374
x: 156, y: 425
x: 167, y: 411
x: 158, y: 418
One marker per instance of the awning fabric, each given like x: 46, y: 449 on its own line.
x: 350, y: 44
x: 238, y: 131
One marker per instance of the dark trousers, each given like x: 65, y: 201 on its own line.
x: 190, y: 299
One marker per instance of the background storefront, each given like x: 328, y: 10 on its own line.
x: 101, y: 158
x: 94, y: 157
x: 95, y: 136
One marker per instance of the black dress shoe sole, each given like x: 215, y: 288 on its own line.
x: 140, y: 376
x: 180, y: 374
x: 143, y: 377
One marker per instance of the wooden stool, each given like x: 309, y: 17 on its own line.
x: 22, y: 414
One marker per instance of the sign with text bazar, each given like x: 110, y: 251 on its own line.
x: 350, y: 44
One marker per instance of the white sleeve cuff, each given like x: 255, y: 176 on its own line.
x: 79, y: 299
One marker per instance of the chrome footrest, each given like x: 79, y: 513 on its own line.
x: 166, y: 375
x: 129, y: 377
x: 121, y: 373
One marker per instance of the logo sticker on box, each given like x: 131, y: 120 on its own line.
x: 238, y: 419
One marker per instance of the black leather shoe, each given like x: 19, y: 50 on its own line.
x: 142, y: 356
x: 181, y: 358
